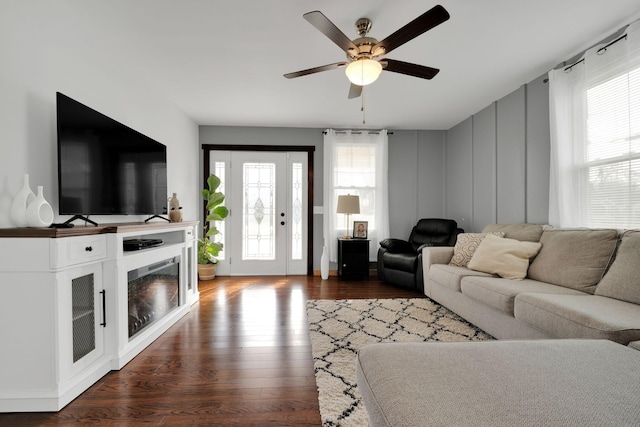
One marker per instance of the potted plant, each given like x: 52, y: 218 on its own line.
x: 208, y: 249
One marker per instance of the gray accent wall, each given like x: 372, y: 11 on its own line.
x: 430, y: 190
x: 510, y: 174
x: 459, y: 174
x: 403, y: 185
x: 497, y: 161
x: 538, y: 151
x: 416, y: 179
x: 484, y: 168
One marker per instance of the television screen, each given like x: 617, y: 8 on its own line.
x: 105, y: 167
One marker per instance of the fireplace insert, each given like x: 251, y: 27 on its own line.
x: 153, y: 292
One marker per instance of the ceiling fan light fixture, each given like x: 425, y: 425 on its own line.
x: 363, y: 71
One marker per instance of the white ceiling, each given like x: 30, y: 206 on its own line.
x: 222, y: 62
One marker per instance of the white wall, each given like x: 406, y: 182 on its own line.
x: 45, y: 47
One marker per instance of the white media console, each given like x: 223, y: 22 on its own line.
x: 74, y: 305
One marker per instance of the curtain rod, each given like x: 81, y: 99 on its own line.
x: 598, y: 52
x: 324, y: 132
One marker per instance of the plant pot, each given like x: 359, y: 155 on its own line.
x: 206, y: 271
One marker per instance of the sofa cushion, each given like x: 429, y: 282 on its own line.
x: 450, y: 276
x: 576, y: 316
x: 574, y: 258
x: 523, y: 232
x: 499, y: 383
x: 466, y: 245
x: 622, y: 281
x: 500, y: 293
x: 508, y: 258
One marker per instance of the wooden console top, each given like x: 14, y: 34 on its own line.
x: 82, y: 230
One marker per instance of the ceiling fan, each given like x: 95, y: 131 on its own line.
x: 363, y: 65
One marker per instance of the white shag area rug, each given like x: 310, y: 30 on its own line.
x: 339, y: 328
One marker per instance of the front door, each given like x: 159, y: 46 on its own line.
x: 266, y: 193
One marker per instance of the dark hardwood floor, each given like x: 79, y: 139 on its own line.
x: 241, y: 357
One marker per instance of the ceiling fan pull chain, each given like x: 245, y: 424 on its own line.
x: 362, y: 108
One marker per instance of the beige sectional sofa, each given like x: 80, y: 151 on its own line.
x: 582, y: 283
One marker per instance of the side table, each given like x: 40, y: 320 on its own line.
x: 353, y: 258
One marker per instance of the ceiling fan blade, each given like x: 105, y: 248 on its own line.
x: 354, y: 91
x: 423, y: 23
x: 328, y: 28
x: 315, y: 70
x: 409, y: 69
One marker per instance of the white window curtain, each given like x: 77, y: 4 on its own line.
x: 355, y: 162
x: 595, y: 137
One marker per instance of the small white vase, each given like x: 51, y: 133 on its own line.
x: 324, y: 264
x: 39, y: 212
x: 20, y: 203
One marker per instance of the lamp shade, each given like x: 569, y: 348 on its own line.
x: 348, y: 204
x: 363, y: 71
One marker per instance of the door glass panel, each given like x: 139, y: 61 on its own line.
x: 219, y: 171
x: 258, y: 213
x: 296, y: 211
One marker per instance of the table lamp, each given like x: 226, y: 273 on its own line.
x: 348, y: 205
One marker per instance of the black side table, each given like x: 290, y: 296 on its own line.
x: 353, y: 258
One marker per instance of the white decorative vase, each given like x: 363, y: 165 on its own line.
x: 324, y: 264
x: 39, y: 212
x: 20, y: 203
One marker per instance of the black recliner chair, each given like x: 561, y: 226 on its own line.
x: 400, y: 261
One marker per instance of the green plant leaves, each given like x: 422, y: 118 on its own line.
x: 213, y: 182
x: 208, y: 249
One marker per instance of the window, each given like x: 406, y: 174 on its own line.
x: 297, y: 200
x: 355, y: 163
x: 219, y: 171
x: 610, y: 173
x: 595, y: 137
x: 355, y: 173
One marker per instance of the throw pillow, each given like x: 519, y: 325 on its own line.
x: 466, y: 245
x: 508, y: 258
x: 622, y: 281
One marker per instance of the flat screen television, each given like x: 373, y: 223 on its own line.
x: 105, y: 167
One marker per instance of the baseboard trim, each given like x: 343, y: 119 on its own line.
x: 373, y: 272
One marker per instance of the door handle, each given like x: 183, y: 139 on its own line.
x: 104, y: 308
